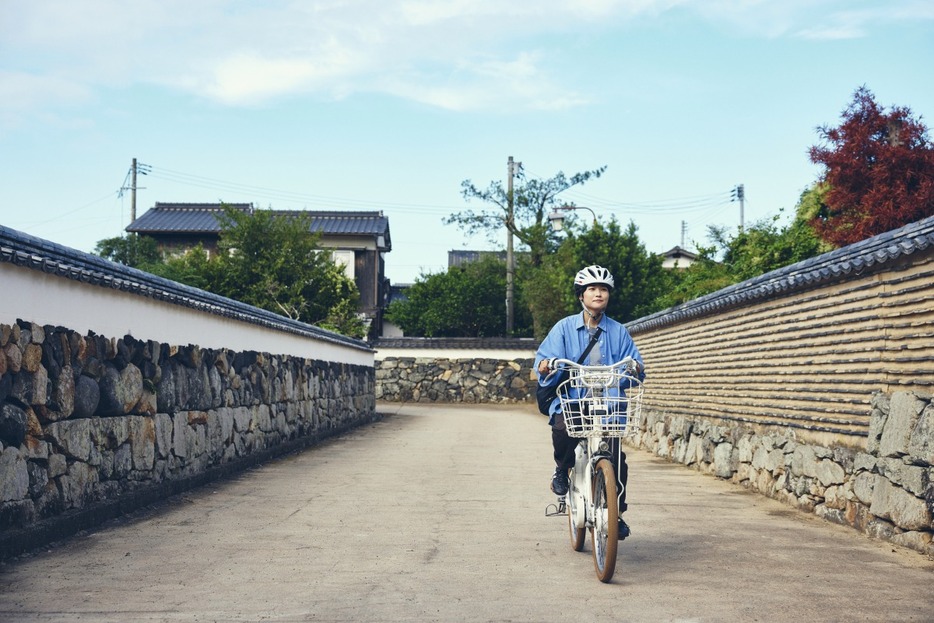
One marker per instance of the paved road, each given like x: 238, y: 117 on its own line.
x: 437, y: 514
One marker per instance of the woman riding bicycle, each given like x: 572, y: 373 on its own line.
x: 568, y: 339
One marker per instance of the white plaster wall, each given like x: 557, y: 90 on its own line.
x: 34, y: 296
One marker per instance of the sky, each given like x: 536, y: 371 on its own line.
x: 389, y: 105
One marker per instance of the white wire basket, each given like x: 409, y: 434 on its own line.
x: 600, y: 401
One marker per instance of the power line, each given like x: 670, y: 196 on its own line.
x: 179, y: 177
x: 657, y: 206
x: 682, y: 204
x: 61, y: 215
x: 701, y: 207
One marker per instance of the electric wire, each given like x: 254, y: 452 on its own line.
x: 658, y: 206
x: 698, y: 203
x: 699, y: 210
x: 61, y: 215
x: 267, y: 193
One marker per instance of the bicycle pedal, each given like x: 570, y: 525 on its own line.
x: 558, y: 509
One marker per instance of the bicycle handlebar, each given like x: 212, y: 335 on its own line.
x: 632, y: 366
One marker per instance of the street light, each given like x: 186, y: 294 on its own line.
x: 556, y: 216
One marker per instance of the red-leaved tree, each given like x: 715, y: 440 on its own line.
x: 879, y: 169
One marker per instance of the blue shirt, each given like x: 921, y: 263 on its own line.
x: 568, y: 339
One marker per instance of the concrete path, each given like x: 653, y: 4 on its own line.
x: 437, y: 514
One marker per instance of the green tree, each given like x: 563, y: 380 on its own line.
x: 704, y: 276
x: 638, y: 275
x: 130, y: 250
x: 266, y: 259
x: 532, y: 199
x: 465, y: 301
x: 191, y: 268
x: 343, y: 318
x: 547, y: 290
x: 760, y: 248
x: 273, y: 261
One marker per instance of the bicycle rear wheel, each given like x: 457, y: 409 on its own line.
x: 605, y: 531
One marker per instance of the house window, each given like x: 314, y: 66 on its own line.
x: 345, y: 258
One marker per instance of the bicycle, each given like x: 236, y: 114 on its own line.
x: 600, y: 404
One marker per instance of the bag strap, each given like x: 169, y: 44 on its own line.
x: 593, y: 340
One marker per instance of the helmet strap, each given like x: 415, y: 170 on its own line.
x: 587, y: 312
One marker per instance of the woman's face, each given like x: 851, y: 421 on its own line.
x: 596, y: 298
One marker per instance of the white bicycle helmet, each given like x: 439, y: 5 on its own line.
x: 592, y: 275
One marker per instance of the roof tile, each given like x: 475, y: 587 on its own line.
x: 203, y: 218
x: 855, y: 258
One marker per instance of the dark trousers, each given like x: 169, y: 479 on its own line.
x: 564, y: 447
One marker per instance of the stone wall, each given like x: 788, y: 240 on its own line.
x: 885, y: 491
x: 416, y: 379
x: 93, y: 426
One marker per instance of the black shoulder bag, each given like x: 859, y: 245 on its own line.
x: 545, y: 394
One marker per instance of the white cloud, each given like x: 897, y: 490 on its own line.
x: 457, y: 54
x: 811, y: 19
x: 22, y: 91
x: 241, y: 54
x: 23, y: 95
x: 855, y: 22
x: 489, y: 84
x: 244, y: 79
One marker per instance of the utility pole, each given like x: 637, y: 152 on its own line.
x: 510, y: 258
x: 684, y: 229
x: 739, y: 194
x: 141, y: 169
x: 133, y: 193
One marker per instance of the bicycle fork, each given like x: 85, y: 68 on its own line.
x: 586, y: 466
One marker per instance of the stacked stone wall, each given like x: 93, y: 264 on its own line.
x: 404, y: 379
x: 885, y: 491
x: 91, y: 426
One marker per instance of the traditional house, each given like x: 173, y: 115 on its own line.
x: 358, y: 240
x: 678, y: 258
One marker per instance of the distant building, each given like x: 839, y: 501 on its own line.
x: 678, y: 258
x: 461, y: 258
x: 398, y: 292
x: 358, y: 240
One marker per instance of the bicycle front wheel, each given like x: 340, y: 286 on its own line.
x: 575, y: 503
x: 605, y: 531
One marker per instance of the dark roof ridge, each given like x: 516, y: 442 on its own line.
x: 214, y: 207
x: 35, y: 253
x: 340, y: 213
x: 163, y: 205
x: 480, y: 343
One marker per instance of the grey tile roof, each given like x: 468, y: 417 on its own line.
x: 473, y: 343
x: 47, y: 257
x: 854, y: 259
x: 679, y: 252
x: 188, y: 218
x: 202, y: 218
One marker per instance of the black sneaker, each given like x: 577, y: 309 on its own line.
x: 559, y: 482
x: 623, y: 530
